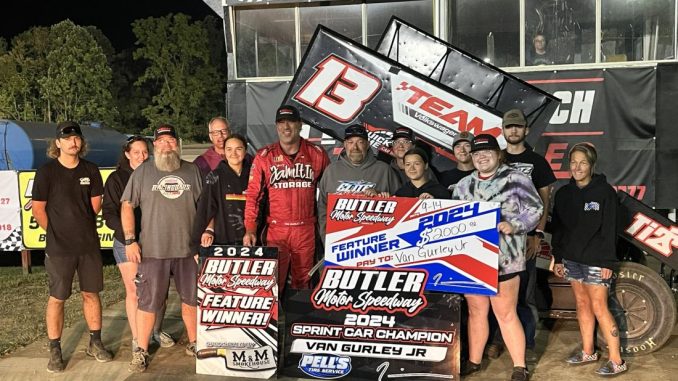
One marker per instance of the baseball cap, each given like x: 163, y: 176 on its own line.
x: 485, y: 141
x: 164, y: 129
x: 355, y: 130
x: 403, y: 132
x: 514, y: 117
x: 66, y: 129
x: 463, y: 136
x: 287, y: 112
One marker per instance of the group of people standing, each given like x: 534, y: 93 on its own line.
x: 164, y: 210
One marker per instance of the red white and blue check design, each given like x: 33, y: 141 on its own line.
x: 457, y: 242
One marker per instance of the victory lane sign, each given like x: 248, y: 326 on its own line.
x: 238, y: 312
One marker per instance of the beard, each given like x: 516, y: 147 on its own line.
x: 167, y: 161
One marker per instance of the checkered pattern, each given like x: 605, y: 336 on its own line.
x: 13, y: 241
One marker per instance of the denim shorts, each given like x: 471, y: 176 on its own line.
x: 119, y: 252
x: 575, y: 271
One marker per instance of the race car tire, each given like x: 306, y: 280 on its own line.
x: 644, y: 307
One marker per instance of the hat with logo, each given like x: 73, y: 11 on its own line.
x: 66, y: 129
x: 355, y: 130
x: 514, y: 117
x: 287, y: 112
x: 483, y: 142
x: 463, y: 136
x: 403, y: 133
x: 164, y: 129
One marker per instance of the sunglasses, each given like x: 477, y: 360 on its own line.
x: 70, y: 130
x: 132, y: 139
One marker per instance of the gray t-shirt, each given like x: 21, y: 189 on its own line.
x: 168, y: 202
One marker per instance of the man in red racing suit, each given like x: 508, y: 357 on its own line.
x: 285, y: 175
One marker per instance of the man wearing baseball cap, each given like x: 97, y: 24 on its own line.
x: 281, y: 192
x: 356, y: 171
x: 461, y: 146
x: 520, y: 156
x: 73, y: 184
x: 166, y: 189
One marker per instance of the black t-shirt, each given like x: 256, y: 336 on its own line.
x: 431, y: 187
x: 452, y: 177
x: 533, y: 165
x: 71, y: 227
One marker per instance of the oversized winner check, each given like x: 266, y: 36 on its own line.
x: 456, y: 242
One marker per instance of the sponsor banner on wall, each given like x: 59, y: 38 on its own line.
x: 10, y: 212
x: 456, y: 242
x: 340, y: 82
x: 615, y: 109
x: 238, y: 312
x: 369, y: 324
x: 34, y: 237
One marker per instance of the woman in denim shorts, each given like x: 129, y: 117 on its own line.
x: 584, y: 248
x: 134, y: 152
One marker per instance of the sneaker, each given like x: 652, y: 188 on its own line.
x: 469, y: 367
x: 494, y: 350
x: 520, y: 374
x: 582, y: 358
x: 139, y: 361
x: 164, y: 339
x: 612, y: 369
x: 56, y: 363
x: 97, y: 350
x: 190, y: 349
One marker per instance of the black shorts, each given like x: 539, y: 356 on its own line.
x: 153, y: 277
x: 505, y: 277
x: 60, y: 271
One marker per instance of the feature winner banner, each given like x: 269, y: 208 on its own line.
x: 369, y: 324
x: 238, y: 312
x: 10, y: 217
x: 456, y: 242
x: 34, y: 237
x: 340, y: 82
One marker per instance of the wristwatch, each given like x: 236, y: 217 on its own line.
x: 129, y: 241
x: 539, y: 233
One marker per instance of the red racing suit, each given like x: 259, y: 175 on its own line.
x: 288, y: 186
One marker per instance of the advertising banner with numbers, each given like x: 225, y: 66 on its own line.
x: 372, y: 324
x: 456, y: 242
x: 10, y: 215
x: 34, y: 236
x: 238, y: 312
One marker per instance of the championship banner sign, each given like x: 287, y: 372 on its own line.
x: 340, y: 83
x: 238, y: 312
x: 372, y: 324
x: 34, y: 237
x: 10, y: 217
x: 455, y: 242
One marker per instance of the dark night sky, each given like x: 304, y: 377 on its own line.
x: 111, y: 16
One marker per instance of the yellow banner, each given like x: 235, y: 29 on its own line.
x: 34, y: 236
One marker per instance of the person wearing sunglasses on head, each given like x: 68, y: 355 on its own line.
x: 66, y: 199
